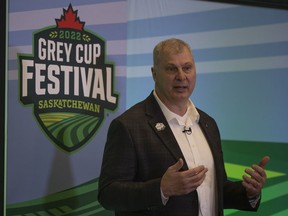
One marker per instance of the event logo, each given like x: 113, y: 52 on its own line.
x: 67, y: 81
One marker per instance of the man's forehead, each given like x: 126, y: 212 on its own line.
x: 183, y: 57
x: 175, y: 50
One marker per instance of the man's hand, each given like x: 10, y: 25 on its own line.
x: 257, y: 179
x: 176, y: 183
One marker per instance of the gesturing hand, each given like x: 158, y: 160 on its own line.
x: 257, y: 179
x: 175, y: 182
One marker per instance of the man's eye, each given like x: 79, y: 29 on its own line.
x: 187, y: 68
x: 171, y: 69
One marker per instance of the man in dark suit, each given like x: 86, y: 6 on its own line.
x: 164, y: 157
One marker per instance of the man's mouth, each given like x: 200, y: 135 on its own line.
x: 180, y: 87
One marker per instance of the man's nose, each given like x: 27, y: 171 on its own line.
x: 180, y: 74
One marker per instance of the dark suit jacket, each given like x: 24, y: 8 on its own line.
x: 137, y: 155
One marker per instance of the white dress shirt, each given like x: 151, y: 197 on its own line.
x: 196, y: 151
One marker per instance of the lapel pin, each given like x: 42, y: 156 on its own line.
x: 160, y: 126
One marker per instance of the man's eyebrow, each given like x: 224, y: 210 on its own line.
x: 170, y: 65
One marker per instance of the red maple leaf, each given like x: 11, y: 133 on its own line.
x: 70, y: 20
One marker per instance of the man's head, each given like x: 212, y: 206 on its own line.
x: 174, y: 72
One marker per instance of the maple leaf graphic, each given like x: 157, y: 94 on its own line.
x: 70, y: 20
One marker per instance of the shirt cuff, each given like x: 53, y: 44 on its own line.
x: 163, y: 197
x: 253, y: 201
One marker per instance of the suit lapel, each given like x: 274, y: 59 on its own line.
x: 204, y: 125
x: 161, y: 128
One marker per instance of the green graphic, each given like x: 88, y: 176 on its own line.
x: 69, y: 129
x: 239, y: 155
x: 82, y: 200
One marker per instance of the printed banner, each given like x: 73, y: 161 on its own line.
x: 68, y: 86
x: 67, y: 81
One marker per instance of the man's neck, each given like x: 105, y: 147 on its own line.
x: 179, y: 108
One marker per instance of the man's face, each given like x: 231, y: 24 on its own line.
x: 174, y: 77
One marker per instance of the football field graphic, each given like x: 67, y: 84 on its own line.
x: 69, y: 129
x: 82, y: 200
x: 239, y: 155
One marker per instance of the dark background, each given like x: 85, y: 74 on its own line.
x: 280, y: 4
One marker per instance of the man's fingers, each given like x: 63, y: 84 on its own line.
x: 199, y: 169
x: 264, y: 161
x: 178, y: 165
x: 257, y: 180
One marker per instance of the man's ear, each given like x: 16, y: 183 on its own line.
x: 153, y: 73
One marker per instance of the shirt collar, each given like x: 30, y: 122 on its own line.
x: 189, y: 117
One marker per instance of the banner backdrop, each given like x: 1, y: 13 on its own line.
x: 73, y: 66
x: 67, y: 82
